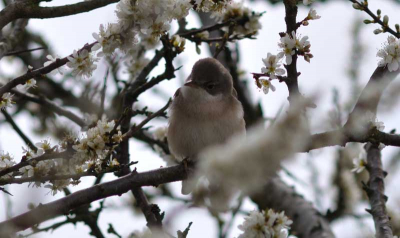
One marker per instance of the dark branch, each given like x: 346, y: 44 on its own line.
x: 28, y: 9
x: 375, y: 189
x: 117, y: 187
x: 16, y: 128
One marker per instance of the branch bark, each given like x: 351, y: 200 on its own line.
x: 375, y: 189
x: 117, y: 187
x: 30, y: 9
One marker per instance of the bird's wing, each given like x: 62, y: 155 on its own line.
x: 234, y: 93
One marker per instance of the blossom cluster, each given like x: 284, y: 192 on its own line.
x: 211, y: 5
x: 82, y: 63
x: 390, y: 54
x: 94, y: 150
x: 6, y: 161
x: 249, y: 23
x: 265, y: 224
x: 290, y: 44
x: 92, y: 153
x: 45, y: 167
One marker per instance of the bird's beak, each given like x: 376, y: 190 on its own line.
x: 191, y: 84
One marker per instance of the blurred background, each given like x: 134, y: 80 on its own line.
x: 344, y: 52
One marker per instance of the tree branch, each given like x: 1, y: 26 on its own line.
x: 29, y: 9
x: 51, y: 106
x: 38, y: 72
x: 117, y: 187
x: 25, y: 138
x: 375, y: 189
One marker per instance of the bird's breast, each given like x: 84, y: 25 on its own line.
x: 190, y: 132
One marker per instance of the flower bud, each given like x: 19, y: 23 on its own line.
x: 385, y: 20
x: 366, y: 21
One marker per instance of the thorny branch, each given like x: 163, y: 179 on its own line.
x: 375, y: 189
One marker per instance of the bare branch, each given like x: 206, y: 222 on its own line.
x: 25, y: 138
x: 28, y: 9
x: 375, y: 189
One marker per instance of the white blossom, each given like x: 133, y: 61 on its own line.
x: 272, y: 66
x: 254, y: 226
x: 82, y: 63
x: 108, y: 39
x: 43, y: 146
x: 236, y: 10
x: 302, y: 43
x: 27, y: 171
x: 6, y: 161
x: 6, y: 100
x: 211, y: 6
x: 178, y: 42
x: 359, y: 163
x: 31, y: 83
x: 282, y: 222
x: 51, y: 60
x: 312, y: 15
x: 96, y: 146
x: 288, y: 44
x: 390, y: 54
x: 180, y: 9
x: 266, y: 85
x: 58, y: 185
x: 265, y: 224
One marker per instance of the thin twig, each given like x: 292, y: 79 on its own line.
x: 17, y: 52
x: 25, y: 138
x: 385, y: 27
x: 51, y: 106
x: 134, y: 129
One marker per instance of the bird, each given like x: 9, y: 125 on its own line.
x: 204, y: 112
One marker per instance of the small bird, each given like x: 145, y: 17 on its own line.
x: 205, y: 111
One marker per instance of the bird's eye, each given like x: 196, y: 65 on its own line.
x: 210, y: 86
